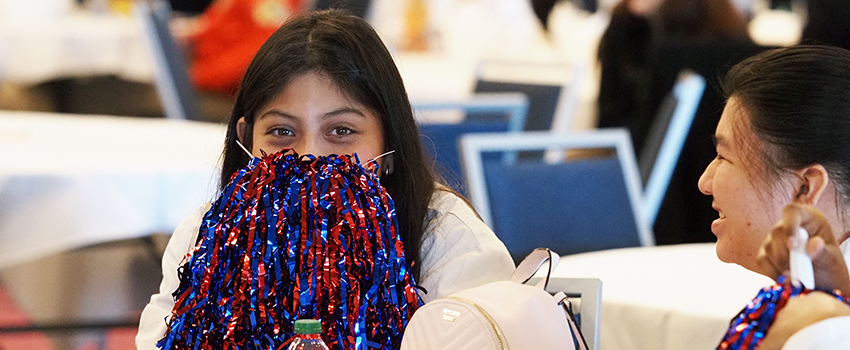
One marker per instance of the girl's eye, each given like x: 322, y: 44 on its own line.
x: 341, y: 130
x: 281, y: 132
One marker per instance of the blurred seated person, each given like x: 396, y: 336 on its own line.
x: 628, y: 46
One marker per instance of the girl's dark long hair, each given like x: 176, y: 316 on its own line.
x: 346, y: 49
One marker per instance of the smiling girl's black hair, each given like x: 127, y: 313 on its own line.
x: 798, y: 102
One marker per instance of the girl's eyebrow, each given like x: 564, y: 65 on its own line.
x: 345, y: 110
x: 278, y: 113
x: 336, y: 112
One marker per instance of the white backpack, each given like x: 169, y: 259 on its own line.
x: 498, y: 315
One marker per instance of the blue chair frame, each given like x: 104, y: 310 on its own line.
x: 552, y: 89
x: 666, y: 139
x: 441, y: 139
x: 171, y: 76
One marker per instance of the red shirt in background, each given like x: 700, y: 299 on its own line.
x: 231, y: 33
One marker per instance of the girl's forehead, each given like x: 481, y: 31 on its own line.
x: 732, y: 123
x: 756, y: 154
x: 736, y: 122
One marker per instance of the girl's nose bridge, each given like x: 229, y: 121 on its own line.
x: 309, y: 144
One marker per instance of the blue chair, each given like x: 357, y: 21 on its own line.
x: 666, y: 138
x: 579, y: 205
x: 552, y: 90
x: 440, y: 139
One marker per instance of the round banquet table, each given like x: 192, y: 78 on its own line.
x: 665, y: 297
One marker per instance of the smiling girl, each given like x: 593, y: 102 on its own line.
x: 783, y: 162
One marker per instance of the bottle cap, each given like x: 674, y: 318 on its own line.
x: 308, y: 326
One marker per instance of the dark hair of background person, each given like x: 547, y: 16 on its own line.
x: 346, y: 49
x: 798, y: 103
x: 693, y: 18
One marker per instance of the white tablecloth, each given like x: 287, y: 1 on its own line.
x: 76, y: 44
x: 68, y: 181
x: 667, y: 297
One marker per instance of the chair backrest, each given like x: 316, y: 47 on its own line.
x: 552, y: 90
x: 440, y: 140
x: 579, y: 205
x: 666, y: 138
x: 171, y: 76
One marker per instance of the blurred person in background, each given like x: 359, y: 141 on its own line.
x: 643, y: 50
x: 627, y: 48
x: 228, y: 34
x: 223, y: 35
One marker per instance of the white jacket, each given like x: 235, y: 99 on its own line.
x: 458, y: 251
x: 832, y: 333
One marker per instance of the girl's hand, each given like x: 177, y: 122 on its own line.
x: 799, y: 313
x: 828, y: 261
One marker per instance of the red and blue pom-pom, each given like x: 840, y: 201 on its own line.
x: 749, y: 327
x: 289, y: 238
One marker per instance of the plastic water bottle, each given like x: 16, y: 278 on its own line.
x: 307, y: 336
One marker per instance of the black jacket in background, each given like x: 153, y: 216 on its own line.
x: 828, y: 23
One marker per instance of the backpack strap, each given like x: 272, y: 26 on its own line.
x: 529, y: 266
x: 579, y: 342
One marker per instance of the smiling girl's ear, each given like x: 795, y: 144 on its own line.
x: 813, y: 180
